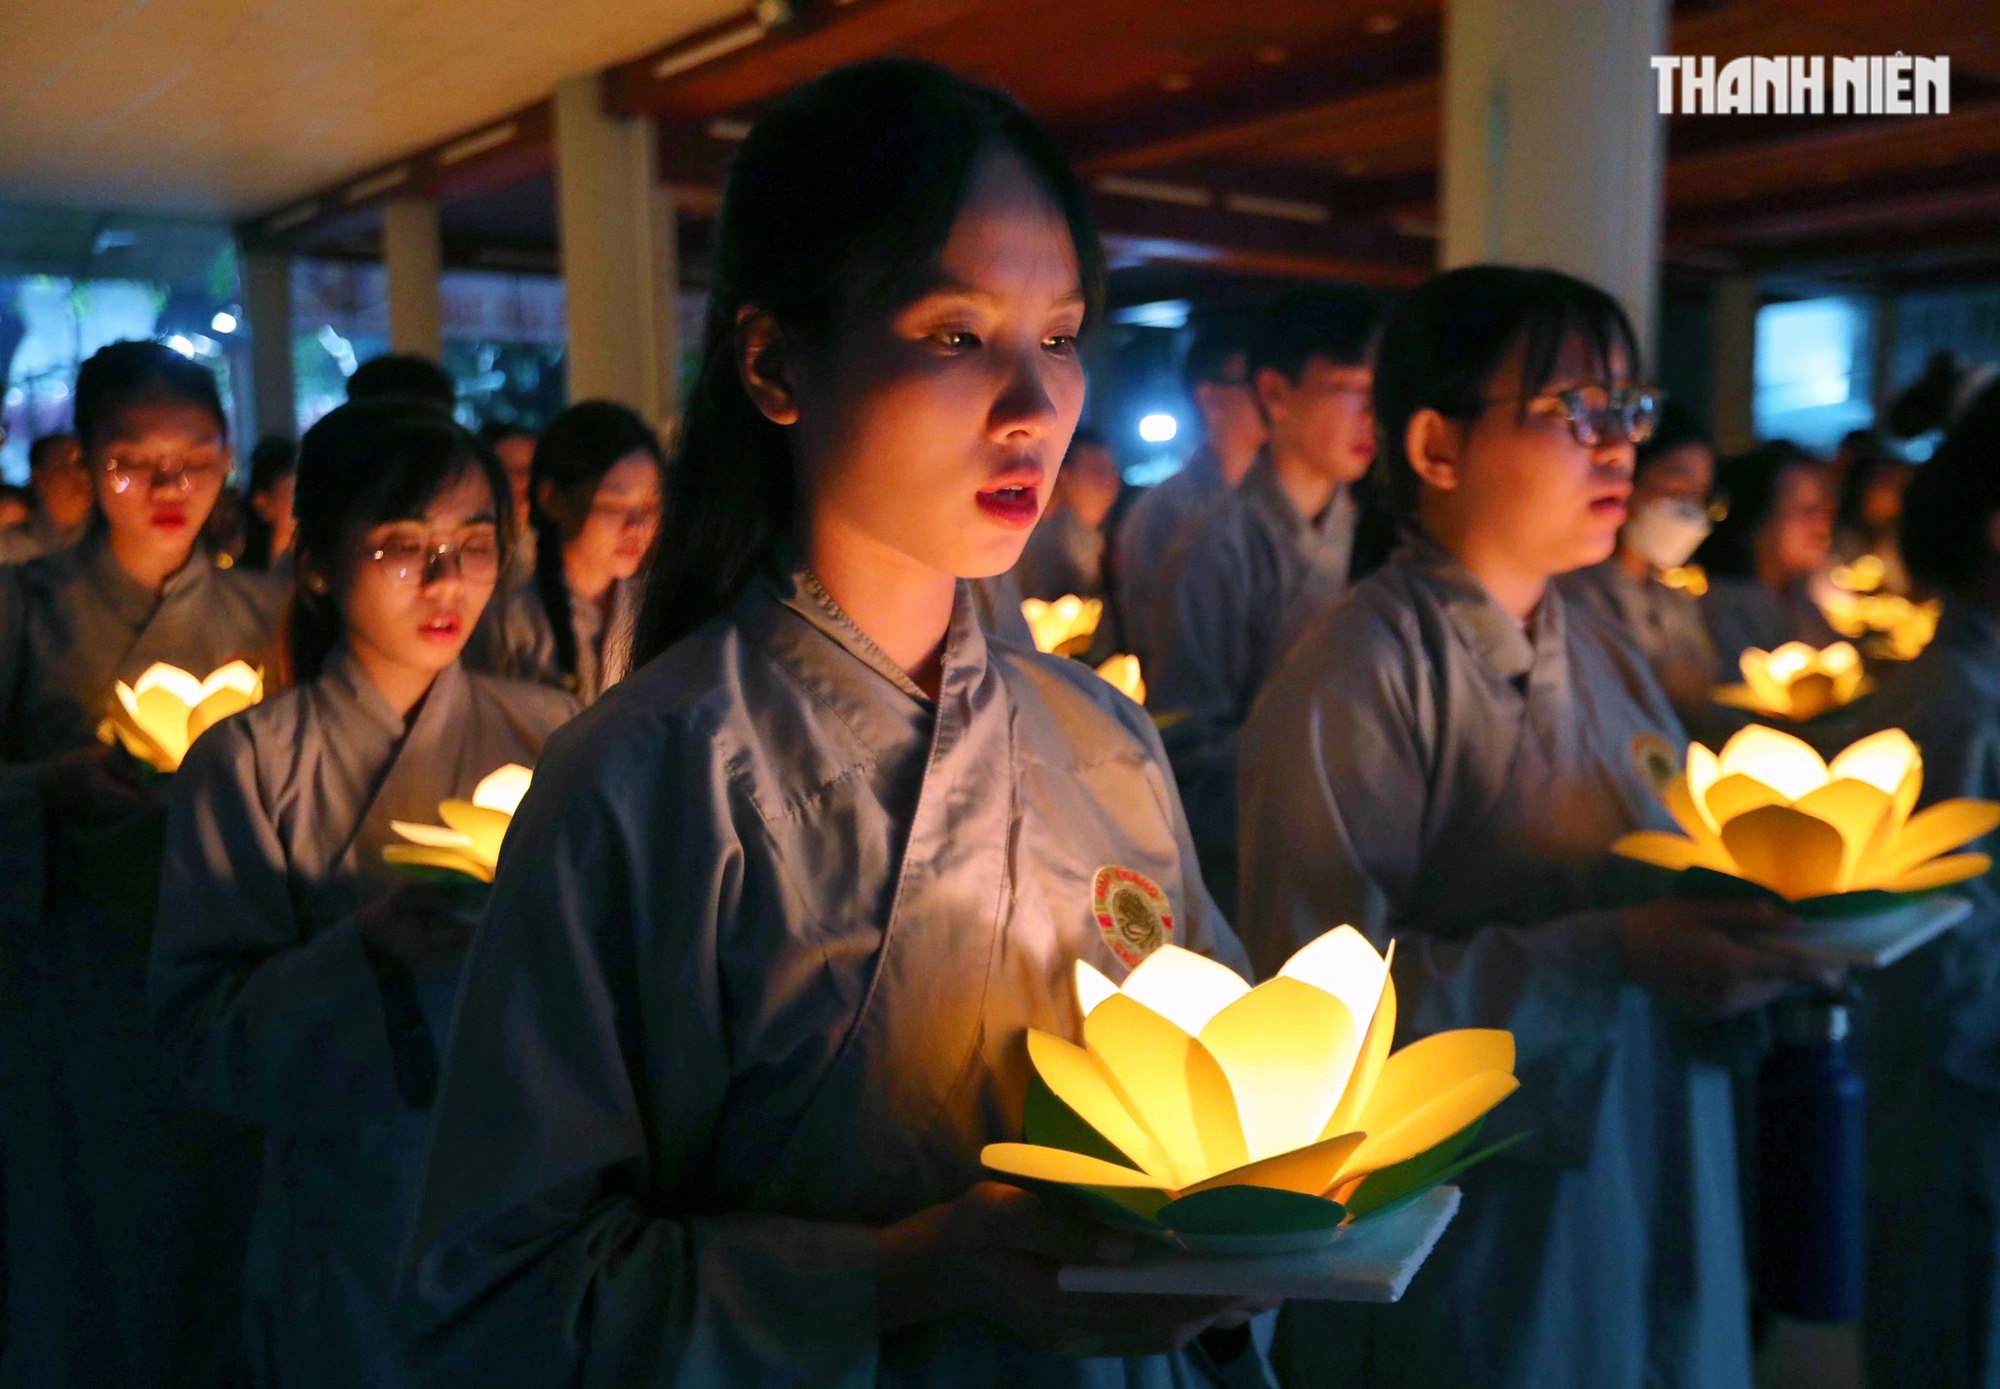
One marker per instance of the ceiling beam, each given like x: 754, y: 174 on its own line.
x: 1909, y: 198
x: 1357, y: 253
x: 494, y: 154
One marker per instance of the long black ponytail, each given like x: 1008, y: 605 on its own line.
x: 574, y: 453
x: 838, y: 202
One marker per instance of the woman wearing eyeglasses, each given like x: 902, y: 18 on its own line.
x: 1445, y: 760
x: 595, y: 486
x: 127, y: 1204
x: 298, y: 981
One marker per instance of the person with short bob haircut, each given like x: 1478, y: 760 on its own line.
x: 1444, y: 761
x: 1931, y: 1021
x: 749, y: 996
x: 1762, y: 559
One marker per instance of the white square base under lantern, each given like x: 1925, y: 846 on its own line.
x: 1372, y: 1261
x: 1880, y: 938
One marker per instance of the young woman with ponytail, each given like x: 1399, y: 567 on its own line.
x: 596, y: 490
x: 299, y: 982
x: 751, y: 990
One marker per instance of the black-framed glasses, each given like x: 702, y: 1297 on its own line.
x: 1597, y: 415
x: 182, y: 472
x: 412, y: 559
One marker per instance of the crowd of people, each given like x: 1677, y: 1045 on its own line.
x: 694, y: 1092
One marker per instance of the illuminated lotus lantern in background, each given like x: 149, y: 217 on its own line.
x: 469, y: 840
x: 1826, y: 838
x: 1897, y: 628
x: 1123, y: 674
x: 158, y: 718
x: 1251, y: 1120
x: 1796, y: 682
x: 1064, y: 627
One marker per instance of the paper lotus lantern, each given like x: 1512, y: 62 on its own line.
x: 1899, y: 628
x: 1769, y: 811
x: 1064, y: 627
x: 1227, y: 1115
x: 469, y: 840
x: 1124, y: 675
x: 158, y: 718
x: 1796, y: 682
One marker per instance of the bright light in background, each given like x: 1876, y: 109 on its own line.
x: 181, y: 345
x: 1158, y: 429
x: 223, y: 322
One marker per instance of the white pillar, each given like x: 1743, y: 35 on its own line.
x: 1734, y: 417
x: 412, y: 255
x: 267, y: 309
x: 620, y: 262
x: 1552, y: 142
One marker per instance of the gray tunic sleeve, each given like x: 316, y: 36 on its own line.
x: 1207, y: 676
x: 269, y: 1022
x: 589, y: 1061
x: 1340, y: 771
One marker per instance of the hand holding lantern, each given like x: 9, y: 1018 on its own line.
x: 158, y: 718
x: 469, y: 840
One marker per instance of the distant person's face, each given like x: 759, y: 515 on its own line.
x: 1324, y: 419
x: 62, y: 483
x: 517, y: 456
x: 1798, y: 535
x: 1229, y: 413
x: 1882, y: 497
x: 1089, y: 483
x: 1682, y: 474
x: 274, y: 505
x: 624, y: 515
x: 158, y: 474
x: 933, y: 434
x: 13, y: 511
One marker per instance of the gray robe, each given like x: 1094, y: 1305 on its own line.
x: 755, y: 982
x: 516, y: 638
x: 1062, y: 556
x: 127, y: 1205
x: 1931, y: 1057
x: 1424, y: 769
x: 277, y: 1014
x: 1667, y: 624
x: 1742, y: 613
x: 41, y: 536
x: 1148, y: 538
x: 1248, y: 579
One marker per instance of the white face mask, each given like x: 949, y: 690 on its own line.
x: 1666, y: 530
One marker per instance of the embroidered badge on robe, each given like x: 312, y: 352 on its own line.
x: 1132, y: 912
x: 1656, y: 762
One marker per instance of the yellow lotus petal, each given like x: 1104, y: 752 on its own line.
x: 1430, y: 1123
x: 1738, y: 794
x: 161, y: 713
x: 1184, y: 988
x: 1794, y: 854
x: 485, y: 828
x: 1037, y: 1163
x: 1092, y: 988
x: 503, y: 788
x: 1076, y: 1078
x: 1430, y: 1066
x: 1671, y: 851
x: 1288, y: 1049
x: 1942, y: 827
x: 1703, y: 771
x: 240, y: 676
x: 1765, y: 686
x: 1939, y: 872
x: 1169, y: 1080
x: 1308, y: 1171
x: 435, y: 836
x: 1783, y: 763
x: 1881, y: 759
x: 1680, y: 803
x: 168, y: 680
x: 1854, y: 808
x: 1342, y: 962
x: 424, y: 856
x: 1810, y: 695
x: 138, y: 742
x: 1122, y: 673
x: 1373, y: 1055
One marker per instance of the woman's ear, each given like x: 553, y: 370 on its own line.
x: 764, y: 367
x: 1433, y: 444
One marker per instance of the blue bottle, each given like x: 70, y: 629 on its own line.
x: 1810, y: 1151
